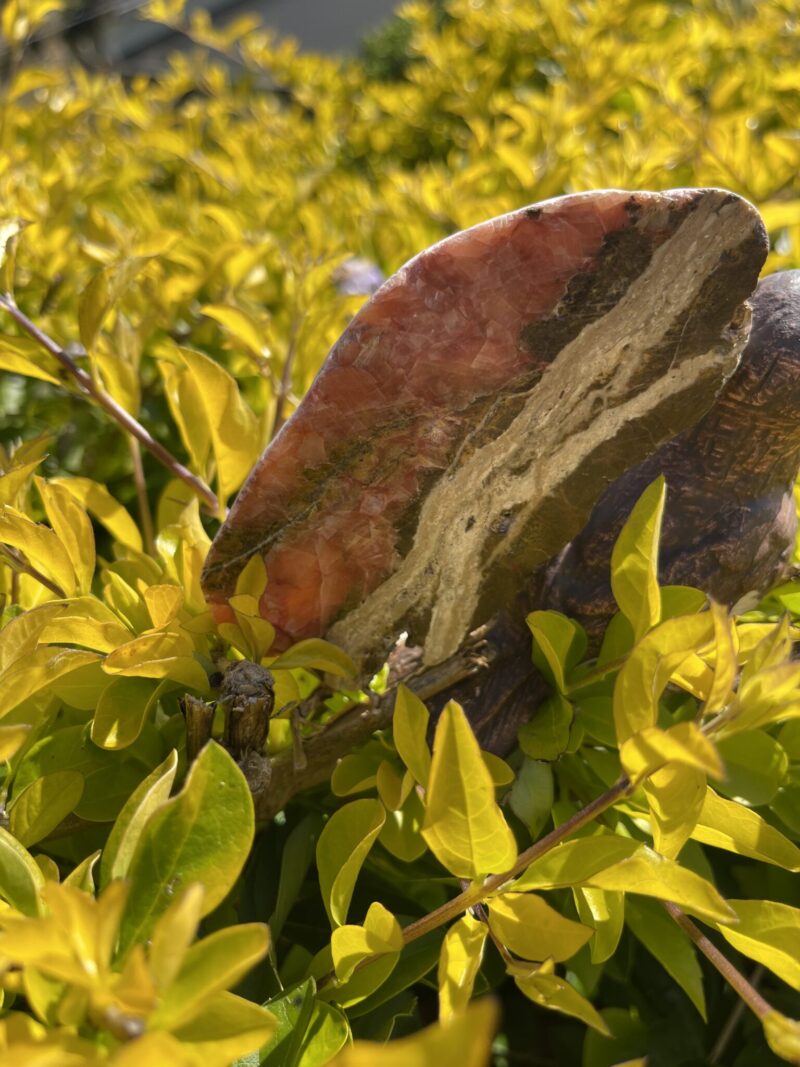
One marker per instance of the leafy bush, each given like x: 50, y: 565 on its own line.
x: 175, y: 250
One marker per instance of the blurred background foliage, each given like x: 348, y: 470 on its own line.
x: 242, y: 204
x: 221, y: 203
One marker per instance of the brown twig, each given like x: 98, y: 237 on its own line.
x: 91, y: 389
x: 145, y: 514
x: 749, y: 994
x: 20, y: 565
x: 476, y: 894
x: 733, y: 1020
x: 286, y: 379
x: 324, y: 749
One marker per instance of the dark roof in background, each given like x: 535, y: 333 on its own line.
x: 112, y: 32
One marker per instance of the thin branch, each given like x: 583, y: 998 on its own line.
x: 733, y: 1020
x: 749, y: 994
x: 20, y: 565
x: 286, y: 379
x: 90, y: 388
x: 145, y: 514
x: 323, y: 750
x: 476, y: 894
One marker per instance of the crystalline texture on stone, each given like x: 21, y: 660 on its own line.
x: 465, y: 423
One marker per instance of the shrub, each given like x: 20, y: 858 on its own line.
x: 179, y: 247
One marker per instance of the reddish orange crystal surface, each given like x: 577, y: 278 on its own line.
x: 332, y: 503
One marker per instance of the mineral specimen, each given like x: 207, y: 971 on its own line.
x: 477, y: 406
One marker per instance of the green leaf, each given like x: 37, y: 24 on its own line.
x: 210, y: 966
x: 756, y: 767
x: 316, y: 654
x: 43, y: 804
x: 532, y: 795
x: 410, y: 730
x: 21, y: 881
x: 726, y: 824
x: 296, y: 858
x: 122, y: 710
x: 203, y: 834
x: 546, y: 735
x: 559, y: 644
x: 768, y: 933
x: 147, y: 798
x: 464, y: 827
x: 293, y: 1010
x: 634, y: 561
x: 309, y: 1032
x: 605, y: 912
x: 526, y: 924
x: 550, y: 991
x: 459, y: 963
x: 342, y: 848
x: 14, y: 363
x: 670, y: 946
x: 648, y: 669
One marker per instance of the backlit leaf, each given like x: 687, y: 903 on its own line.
x: 409, y: 731
x: 459, y: 963
x: 769, y: 933
x: 342, y: 848
x: 203, y: 834
x: 634, y: 561
x: 380, y: 935
x: 42, y: 805
x: 734, y: 827
x: 463, y: 826
x: 532, y: 929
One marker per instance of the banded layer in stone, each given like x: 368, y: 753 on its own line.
x: 730, y: 519
x: 467, y: 420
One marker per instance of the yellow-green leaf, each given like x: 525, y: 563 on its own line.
x: 73, y: 528
x: 40, y: 669
x: 604, y: 911
x: 42, y: 805
x: 410, y: 730
x: 684, y: 743
x: 21, y: 881
x: 648, y: 669
x: 736, y: 828
x: 526, y: 924
x: 342, y: 848
x: 316, y: 654
x: 783, y: 1036
x: 634, y: 561
x: 550, y: 991
x: 122, y: 710
x: 40, y: 545
x: 651, y: 875
x: 464, y: 827
x: 380, y: 935
x: 464, y: 1041
x: 210, y: 966
x: 235, y: 434
x: 675, y: 794
x: 559, y: 643
x: 459, y: 963
x: 769, y: 933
